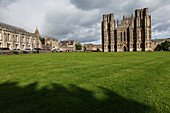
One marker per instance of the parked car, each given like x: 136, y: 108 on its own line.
x: 46, y: 50
x: 37, y: 49
x: 58, y: 50
x: 14, y: 49
x: 27, y: 49
x: 43, y: 49
x: 4, y: 49
x: 54, y: 50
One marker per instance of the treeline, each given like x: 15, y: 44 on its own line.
x: 163, y: 46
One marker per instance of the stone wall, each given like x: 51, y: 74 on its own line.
x: 17, y: 52
x: 92, y: 47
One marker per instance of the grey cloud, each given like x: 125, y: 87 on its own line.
x: 5, y: 3
x: 90, y: 4
x: 75, y: 24
x: 86, y: 34
x: 80, y: 19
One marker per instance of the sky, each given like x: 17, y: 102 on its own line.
x: 80, y: 20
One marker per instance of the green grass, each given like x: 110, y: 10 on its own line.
x: 132, y: 82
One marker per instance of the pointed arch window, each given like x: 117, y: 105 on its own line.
x: 0, y: 36
x: 8, y: 37
x: 121, y: 36
x: 124, y: 37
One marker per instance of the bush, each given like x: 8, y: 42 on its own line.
x: 78, y: 47
x: 165, y: 46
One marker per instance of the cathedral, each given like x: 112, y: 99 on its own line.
x: 132, y: 34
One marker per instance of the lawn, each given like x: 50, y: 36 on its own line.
x: 131, y: 82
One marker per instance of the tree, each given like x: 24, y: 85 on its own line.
x: 165, y: 46
x: 42, y: 40
x: 78, y: 47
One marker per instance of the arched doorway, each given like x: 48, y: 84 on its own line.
x: 124, y: 49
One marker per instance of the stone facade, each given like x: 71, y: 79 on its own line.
x: 51, y: 43
x: 68, y: 45
x: 16, y: 38
x: 133, y: 34
x: 92, y: 47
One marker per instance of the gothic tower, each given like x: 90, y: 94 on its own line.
x: 142, y: 30
x: 108, y: 33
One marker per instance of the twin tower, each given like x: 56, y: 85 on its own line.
x: 133, y: 34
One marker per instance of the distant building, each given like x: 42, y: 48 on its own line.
x: 133, y: 34
x: 68, y: 45
x: 17, y: 38
x: 157, y: 42
x: 92, y: 47
x: 51, y: 43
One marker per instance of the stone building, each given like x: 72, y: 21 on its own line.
x: 92, y: 47
x: 132, y: 34
x: 68, y: 45
x: 17, y: 38
x: 51, y: 43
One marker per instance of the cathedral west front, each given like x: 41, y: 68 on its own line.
x: 132, y: 34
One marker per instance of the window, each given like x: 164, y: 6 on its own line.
x: 26, y: 40
x: 121, y: 37
x: 8, y: 45
x: 16, y: 46
x: 0, y: 36
x: 23, y: 39
x: 17, y: 38
x: 8, y: 37
x: 124, y: 37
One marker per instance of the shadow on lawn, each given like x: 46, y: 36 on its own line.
x: 15, y: 99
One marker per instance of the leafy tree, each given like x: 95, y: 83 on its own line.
x: 42, y: 40
x: 165, y: 46
x: 78, y: 47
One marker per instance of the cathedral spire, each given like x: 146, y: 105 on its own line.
x: 36, y: 31
x: 37, y: 34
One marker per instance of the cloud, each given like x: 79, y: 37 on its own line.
x: 80, y: 19
x: 89, y: 4
x: 5, y: 3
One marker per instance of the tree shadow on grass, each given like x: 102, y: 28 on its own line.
x: 59, y: 99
